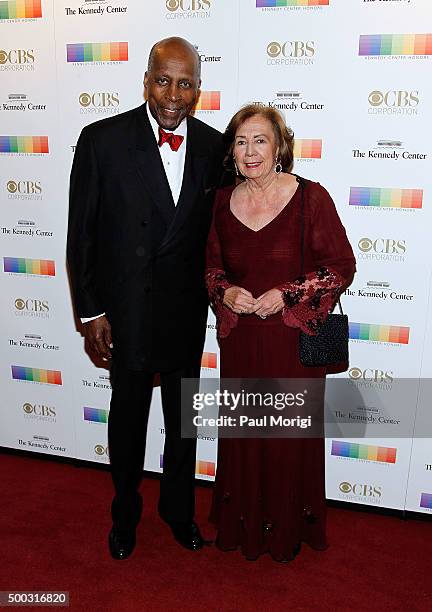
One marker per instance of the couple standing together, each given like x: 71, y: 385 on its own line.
x: 148, y: 230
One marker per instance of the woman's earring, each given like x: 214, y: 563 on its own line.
x: 236, y: 168
x: 278, y: 167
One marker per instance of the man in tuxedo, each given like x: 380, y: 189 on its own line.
x: 141, y: 191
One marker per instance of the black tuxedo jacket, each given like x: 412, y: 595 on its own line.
x: 131, y: 253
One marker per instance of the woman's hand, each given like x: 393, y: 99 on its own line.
x: 269, y: 303
x: 239, y: 300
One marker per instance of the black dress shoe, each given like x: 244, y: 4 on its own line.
x: 188, y: 535
x: 121, y: 543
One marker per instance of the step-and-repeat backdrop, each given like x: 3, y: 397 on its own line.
x: 353, y: 80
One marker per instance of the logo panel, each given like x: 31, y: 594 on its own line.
x: 19, y: 265
x: 20, y: 9
x: 24, y: 144
x: 50, y: 377
x: 97, y: 52
x: 393, y: 334
x: 387, y: 198
x: 395, y: 44
x: 368, y: 452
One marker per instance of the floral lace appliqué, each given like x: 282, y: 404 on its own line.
x: 309, y: 298
x: 226, y: 319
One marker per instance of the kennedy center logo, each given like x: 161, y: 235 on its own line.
x: 208, y: 101
x: 277, y: 5
x: 380, y: 197
x: 209, y: 361
x: 97, y: 53
x: 395, y: 46
x: 20, y: 10
x: 37, y: 375
x: 23, y: 145
x: 393, y: 334
x: 365, y: 452
x: 307, y: 149
x: 95, y: 7
x: 21, y: 265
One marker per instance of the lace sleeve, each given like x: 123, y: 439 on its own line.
x: 309, y: 299
x: 226, y: 319
x: 216, y: 279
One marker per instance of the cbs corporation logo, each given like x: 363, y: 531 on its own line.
x: 371, y: 375
x: 31, y: 308
x: 382, y: 245
x: 28, y: 408
x: 384, y: 249
x: 17, y: 59
x: 39, y: 410
x: 20, y: 304
x: 28, y: 190
x: 291, y: 52
x: 101, y: 103
x: 360, y: 490
x: 188, y: 8
x: 101, y: 450
x: 355, y: 374
x: 393, y: 102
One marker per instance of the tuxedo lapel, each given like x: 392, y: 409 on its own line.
x: 195, y: 164
x: 148, y: 163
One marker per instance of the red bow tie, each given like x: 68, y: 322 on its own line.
x: 174, y: 140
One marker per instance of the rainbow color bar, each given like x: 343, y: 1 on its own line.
x: 386, y: 198
x: 205, y: 468
x: 363, y: 451
x: 96, y: 415
x: 51, y: 377
x: 20, y: 265
x: 395, y: 44
x: 380, y: 333
x: 24, y: 144
x: 271, y: 3
x: 209, y: 360
x: 208, y: 100
x: 308, y: 149
x: 98, y: 52
x: 426, y: 500
x: 20, y: 9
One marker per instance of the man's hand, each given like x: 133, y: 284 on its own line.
x: 98, y: 334
x: 239, y: 300
x: 269, y: 303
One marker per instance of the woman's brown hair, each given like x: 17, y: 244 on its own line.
x: 284, y: 136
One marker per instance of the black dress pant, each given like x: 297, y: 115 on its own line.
x: 127, y: 430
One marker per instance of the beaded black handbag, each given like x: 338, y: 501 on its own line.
x: 330, y: 345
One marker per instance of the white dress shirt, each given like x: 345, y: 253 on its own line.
x: 173, y: 163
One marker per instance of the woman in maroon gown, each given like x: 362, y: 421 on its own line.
x: 270, y: 493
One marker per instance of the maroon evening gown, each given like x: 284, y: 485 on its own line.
x: 270, y: 493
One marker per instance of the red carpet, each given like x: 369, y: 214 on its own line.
x: 53, y: 528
